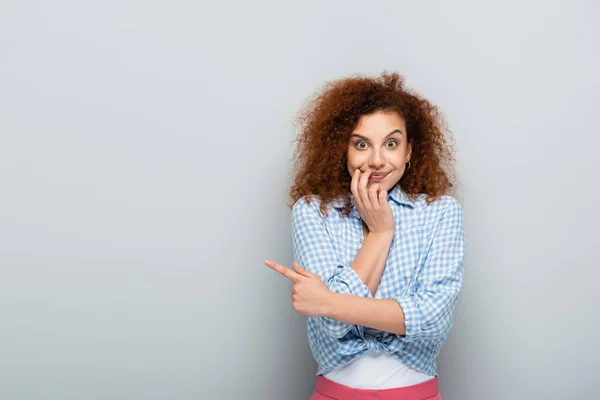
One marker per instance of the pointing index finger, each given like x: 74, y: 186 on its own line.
x: 286, y: 272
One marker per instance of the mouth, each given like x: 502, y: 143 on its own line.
x: 377, y: 176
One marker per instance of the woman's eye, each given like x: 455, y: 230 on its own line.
x: 358, y: 145
x: 393, y: 142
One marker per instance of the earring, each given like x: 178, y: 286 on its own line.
x: 408, y: 165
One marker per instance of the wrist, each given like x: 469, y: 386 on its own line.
x: 331, y: 304
x: 387, y: 234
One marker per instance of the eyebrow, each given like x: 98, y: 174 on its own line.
x: 388, y: 135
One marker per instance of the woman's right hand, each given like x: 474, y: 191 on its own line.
x: 372, y: 203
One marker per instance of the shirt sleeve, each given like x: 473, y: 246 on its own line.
x: 428, y: 310
x: 314, y: 250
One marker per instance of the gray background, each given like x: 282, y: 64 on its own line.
x: 144, y: 163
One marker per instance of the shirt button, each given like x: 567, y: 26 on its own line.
x: 362, y: 240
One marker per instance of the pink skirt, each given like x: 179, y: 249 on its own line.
x: 329, y: 390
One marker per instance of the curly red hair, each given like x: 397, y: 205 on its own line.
x: 327, y: 120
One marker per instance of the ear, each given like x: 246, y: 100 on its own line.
x: 409, y: 150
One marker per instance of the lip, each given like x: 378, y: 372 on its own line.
x: 378, y: 176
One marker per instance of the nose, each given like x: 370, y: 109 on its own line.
x: 376, y: 160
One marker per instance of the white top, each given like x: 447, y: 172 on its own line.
x: 376, y: 370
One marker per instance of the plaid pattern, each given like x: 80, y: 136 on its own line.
x: 423, y: 273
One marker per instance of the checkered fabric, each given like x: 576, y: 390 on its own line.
x: 423, y: 273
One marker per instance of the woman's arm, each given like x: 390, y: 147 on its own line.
x: 310, y: 296
x: 385, y: 315
x: 370, y: 261
x: 379, y: 225
x: 428, y: 311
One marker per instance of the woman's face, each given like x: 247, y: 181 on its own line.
x: 379, y: 143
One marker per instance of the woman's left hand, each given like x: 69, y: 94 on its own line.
x: 310, y: 296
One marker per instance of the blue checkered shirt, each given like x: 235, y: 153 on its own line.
x: 423, y: 273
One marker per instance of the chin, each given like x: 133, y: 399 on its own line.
x: 396, y: 182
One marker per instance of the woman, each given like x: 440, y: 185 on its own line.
x: 378, y: 240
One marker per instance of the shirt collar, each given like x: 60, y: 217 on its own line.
x: 396, y: 194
